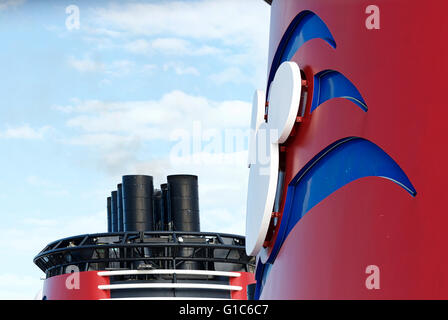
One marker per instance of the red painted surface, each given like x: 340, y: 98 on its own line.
x: 401, y: 72
x: 244, y: 280
x: 55, y: 288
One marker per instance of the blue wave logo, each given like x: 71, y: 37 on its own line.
x: 304, y: 27
x: 342, y: 162
x: 330, y: 84
x: 338, y: 164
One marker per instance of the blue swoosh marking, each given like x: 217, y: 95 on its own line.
x: 304, y: 27
x: 329, y: 84
x: 342, y: 162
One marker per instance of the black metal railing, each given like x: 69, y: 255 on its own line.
x: 145, y: 250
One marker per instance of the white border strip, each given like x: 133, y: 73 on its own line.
x: 169, y: 285
x: 165, y: 298
x: 169, y: 271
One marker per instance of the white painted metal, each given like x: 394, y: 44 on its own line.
x: 284, y: 99
x: 261, y: 192
x: 169, y: 271
x: 169, y: 286
x: 257, y: 118
x: 166, y: 298
x: 284, y: 102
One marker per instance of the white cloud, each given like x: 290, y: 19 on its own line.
x: 103, y: 83
x: 138, y: 46
x: 5, y: 4
x: 210, y: 19
x: 169, y: 46
x: 116, y: 131
x: 40, y: 222
x: 230, y: 75
x: 103, y: 32
x: 120, y: 68
x: 182, y: 47
x: 180, y: 69
x: 86, y: 64
x: 9, y: 279
x: 45, y: 186
x: 234, y: 31
x: 19, y: 286
x: 149, y: 67
x: 25, y: 132
x: 115, y: 68
x: 156, y: 119
x: 32, y: 234
x: 39, y: 182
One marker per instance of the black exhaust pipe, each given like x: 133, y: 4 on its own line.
x: 109, y: 215
x: 184, y: 202
x: 167, y: 223
x: 120, y: 224
x: 114, y: 211
x: 138, y: 193
x: 158, y: 210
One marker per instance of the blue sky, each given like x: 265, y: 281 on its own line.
x: 148, y: 87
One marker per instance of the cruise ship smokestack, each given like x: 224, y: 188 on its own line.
x: 138, y: 193
x: 114, y: 211
x: 120, y: 223
x: 184, y: 202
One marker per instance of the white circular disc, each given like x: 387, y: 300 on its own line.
x: 284, y: 99
x: 257, y: 118
x: 261, y: 191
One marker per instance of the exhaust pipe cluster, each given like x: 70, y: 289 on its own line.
x: 137, y: 206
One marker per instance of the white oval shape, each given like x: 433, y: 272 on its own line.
x: 261, y: 191
x: 284, y: 99
x: 257, y: 118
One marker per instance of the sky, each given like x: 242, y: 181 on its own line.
x: 94, y: 90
